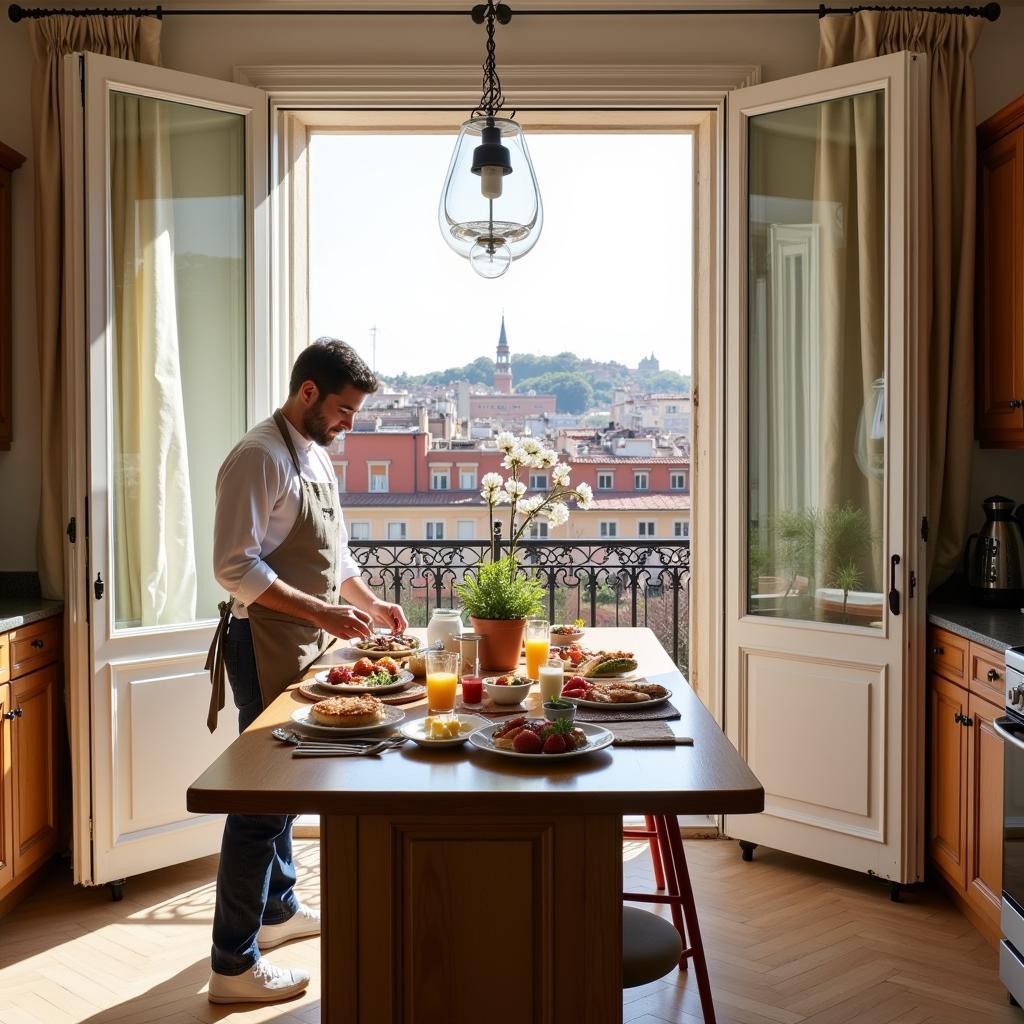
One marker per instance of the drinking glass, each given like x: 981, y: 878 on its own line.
x: 538, y: 645
x: 442, y: 677
x: 551, y: 676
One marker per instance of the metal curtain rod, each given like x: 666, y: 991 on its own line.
x: 990, y: 12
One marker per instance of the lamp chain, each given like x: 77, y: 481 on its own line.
x: 492, y: 100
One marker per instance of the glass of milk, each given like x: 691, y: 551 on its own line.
x: 551, y: 674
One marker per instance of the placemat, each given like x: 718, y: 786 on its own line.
x: 647, y: 734
x: 660, y: 712
x: 414, y: 691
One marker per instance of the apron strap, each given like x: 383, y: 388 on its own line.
x: 215, y: 665
x: 282, y: 425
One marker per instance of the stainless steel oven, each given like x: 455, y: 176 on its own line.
x: 1011, y: 728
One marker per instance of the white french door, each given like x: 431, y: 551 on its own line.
x: 169, y: 366
x: 824, y: 466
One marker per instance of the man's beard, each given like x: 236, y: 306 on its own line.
x: 314, y: 425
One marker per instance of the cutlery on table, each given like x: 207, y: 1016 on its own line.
x: 314, y: 749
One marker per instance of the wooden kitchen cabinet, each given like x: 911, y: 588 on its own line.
x: 29, y: 732
x: 999, y: 280
x: 965, y: 775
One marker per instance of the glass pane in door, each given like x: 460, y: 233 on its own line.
x: 816, y: 333
x: 177, y: 348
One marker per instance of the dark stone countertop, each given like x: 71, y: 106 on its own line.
x: 951, y: 608
x: 20, y: 611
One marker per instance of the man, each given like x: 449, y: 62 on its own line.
x: 280, y: 549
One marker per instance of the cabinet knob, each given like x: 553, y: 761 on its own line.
x: 993, y: 675
x: 958, y: 718
x: 1017, y: 403
x: 15, y: 713
x: 38, y: 644
x: 966, y: 720
x: 938, y: 650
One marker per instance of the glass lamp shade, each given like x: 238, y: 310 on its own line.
x: 467, y: 217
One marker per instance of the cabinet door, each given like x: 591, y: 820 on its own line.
x: 1000, y: 296
x: 6, y: 792
x: 33, y: 751
x: 984, y: 810
x: 947, y: 824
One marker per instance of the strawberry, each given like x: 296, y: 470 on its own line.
x: 527, y: 742
x: 554, y: 744
x: 576, y: 682
x: 340, y: 674
x: 577, y: 694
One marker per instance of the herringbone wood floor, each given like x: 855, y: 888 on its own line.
x: 788, y: 940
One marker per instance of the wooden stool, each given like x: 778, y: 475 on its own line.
x: 650, y: 947
x: 672, y: 874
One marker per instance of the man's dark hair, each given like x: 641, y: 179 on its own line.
x: 331, y: 364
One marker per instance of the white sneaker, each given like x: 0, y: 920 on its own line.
x: 301, y: 925
x: 262, y: 983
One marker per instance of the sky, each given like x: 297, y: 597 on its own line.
x: 610, y: 276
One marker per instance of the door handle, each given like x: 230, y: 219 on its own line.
x: 993, y: 675
x: 16, y: 713
x: 894, y: 594
x: 1016, y: 403
x: 1000, y: 726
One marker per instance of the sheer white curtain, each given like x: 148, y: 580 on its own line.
x: 154, y: 545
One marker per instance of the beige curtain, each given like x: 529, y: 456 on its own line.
x: 949, y: 41
x: 52, y: 38
x: 154, y: 549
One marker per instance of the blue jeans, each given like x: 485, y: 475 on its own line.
x: 256, y: 876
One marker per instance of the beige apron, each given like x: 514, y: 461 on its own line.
x: 307, y: 559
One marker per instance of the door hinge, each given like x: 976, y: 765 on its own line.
x: 90, y: 829
x: 913, y: 583
x: 924, y: 529
x: 71, y: 530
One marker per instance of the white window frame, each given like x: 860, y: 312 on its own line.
x: 433, y: 529
x: 608, y: 528
x: 681, y: 529
x: 673, y: 475
x: 359, y: 525
x: 460, y: 529
x: 444, y: 474
x: 637, y: 475
x: 646, y: 528
x: 538, y: 530
x: 404, y: 529
x: 371, y: 465
x: 662, y: 97
x: 472, y: 472
x: 610, y: 474
x: 341, y: 472
x: 538, y: 481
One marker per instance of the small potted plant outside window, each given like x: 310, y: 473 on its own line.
x: 499, y: 594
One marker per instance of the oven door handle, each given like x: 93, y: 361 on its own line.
x: 1000, y: 726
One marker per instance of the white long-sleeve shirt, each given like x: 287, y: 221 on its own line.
x: 258, y: 501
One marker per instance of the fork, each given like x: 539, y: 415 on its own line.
x: 315, y: 749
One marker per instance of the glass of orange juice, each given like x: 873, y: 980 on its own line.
x: 442, y: 677
x: 538, y: 645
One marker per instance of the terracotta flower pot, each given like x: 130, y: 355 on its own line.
x: 501, y: 642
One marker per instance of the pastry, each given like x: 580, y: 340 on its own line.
x: 347, y: 712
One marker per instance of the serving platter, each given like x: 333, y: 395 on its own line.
x: 392, y: 716
x: 624, y: 705
x: 326, y: 689
x: 597, y: 739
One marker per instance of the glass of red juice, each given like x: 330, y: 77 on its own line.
x: 472, y: 690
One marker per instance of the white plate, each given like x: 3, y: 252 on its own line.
x: 597, y: 739
x: 392, y: 716
x: 415, y: 732
x: 353, y: 688
x: 620, y: 705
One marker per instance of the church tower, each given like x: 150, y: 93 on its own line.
x: 503, y: 363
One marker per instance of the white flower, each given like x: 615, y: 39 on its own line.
x: 515, y: 488
x: 546, y: 457
x: 501, y: 497
x: 506, y: 440
x: 528, y: 505
x: 558, y: 513
x: 491, y: 480
x: 584, y: 496
x: 531, y: 445
x: 560, y: 474
x: 516, y: 456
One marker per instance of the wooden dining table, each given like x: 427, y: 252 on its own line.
x: 459, y: 885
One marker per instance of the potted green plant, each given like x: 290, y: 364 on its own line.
x: 500, y: 594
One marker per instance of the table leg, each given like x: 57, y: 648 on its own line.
x: 455, y: 919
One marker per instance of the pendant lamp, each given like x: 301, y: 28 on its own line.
x: 490, y: 211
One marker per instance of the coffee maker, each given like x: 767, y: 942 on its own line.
x: 995, y: 566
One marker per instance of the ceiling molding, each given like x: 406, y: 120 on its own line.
x: 599, y: 86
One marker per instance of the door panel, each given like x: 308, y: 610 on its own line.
x: 177, y: 363
x: 822, y: 408
x: 947, y: 813
x: 35, y: 809
x: 6, y: 790
x: 985, y: 810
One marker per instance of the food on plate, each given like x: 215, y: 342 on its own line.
x: 348, y: 712
x: 566, y: 629
x: 572, y: 654
x: 539, y: 736
x: 607, y: 663
x: 623, y: 692
x: 364, y: 672
x: 445, y: 729
x: 381, y: 644
x: 511, y: 680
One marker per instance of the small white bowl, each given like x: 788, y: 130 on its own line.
x: 508, y: 695
x: 565, y: 639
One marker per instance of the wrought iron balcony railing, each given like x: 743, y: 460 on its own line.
x: 603, y: 582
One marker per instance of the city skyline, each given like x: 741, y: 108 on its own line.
x: 621, y: 299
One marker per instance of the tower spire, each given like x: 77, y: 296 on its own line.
x: 503, y: 362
